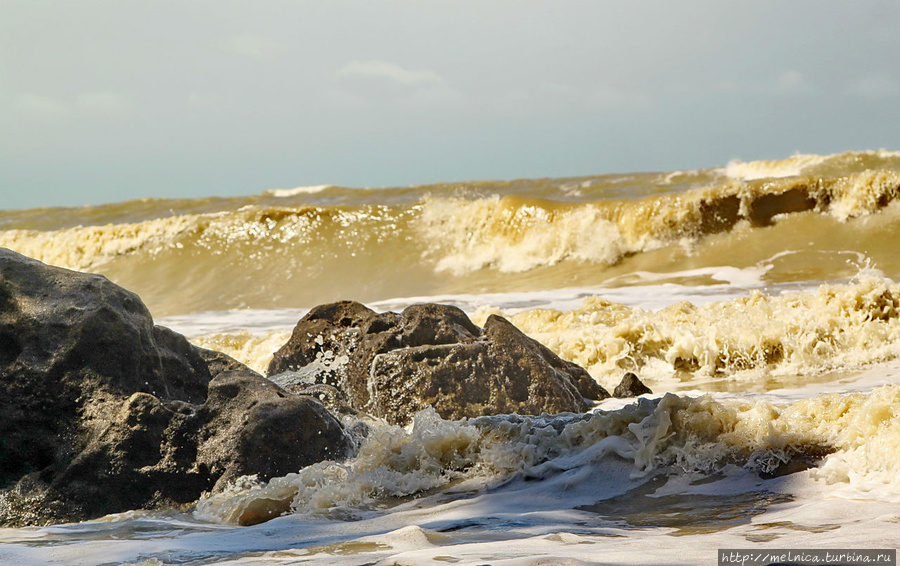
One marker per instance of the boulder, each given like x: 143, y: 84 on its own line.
x: 101, y: 411
x: 252, y: 426
x: 392, y: 365
x: 630, y: 386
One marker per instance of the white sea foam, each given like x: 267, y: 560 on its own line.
x: 471, y: 508
x: 234, y: 321
x: 253, y: 335
x: 790, y: 167
x: 765, y: 377
x: 553, y: 517
x: 468, y: 235
x: 284, y: 193
x: 794, y: 165
x: 749, y: 339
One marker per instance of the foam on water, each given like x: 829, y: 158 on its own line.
x: 253, y: 335
x: 718, y: 337
x: 561, y: 489
x: 776, y: 414
x: 501, y: 233
x: 745, y: 339
x: 514, y: 235
x: 537, y: 478
x: 833, y: 327
x: 790, y: 167
x: 310, y: 190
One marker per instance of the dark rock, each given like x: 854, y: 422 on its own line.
x: 252, y: 426
x: 336, y: 343
x: 630, y: 386
x: 75, y: 345
x: 217, y: 362
x: 392, y: 365
x: 324, y: 342
x: 101, y: 411
x: 514, y: 347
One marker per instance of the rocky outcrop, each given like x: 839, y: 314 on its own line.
x: 392, y: 365
x: 102, y: 411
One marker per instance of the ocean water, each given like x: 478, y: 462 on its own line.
x: 759, y: 301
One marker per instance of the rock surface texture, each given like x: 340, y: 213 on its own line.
x: 630, y: 386
x: 392, y: 365
x: 101, y: 411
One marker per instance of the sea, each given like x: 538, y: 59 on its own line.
x: 759, y: 300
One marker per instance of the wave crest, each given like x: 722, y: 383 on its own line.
x: 513, y: 234
x: 836, y: 327
x: 672, y: 434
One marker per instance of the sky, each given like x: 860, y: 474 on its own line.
x: 103, y: 101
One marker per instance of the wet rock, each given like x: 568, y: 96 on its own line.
x: 101, y: 411
x: 519, y: 352
x: 252, y: 426
x: 74, y: 345
x: 630, y: 386
x: 217, y: 362
x: 392, y: 365
x: 336, y: 343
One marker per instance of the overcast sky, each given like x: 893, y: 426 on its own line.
x: 113, y: 100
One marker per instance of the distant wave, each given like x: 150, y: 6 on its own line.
x: 513, y: 234
x: 90, y: 247
x: 803, y: 164
x: 751, y: 170
x: 263, y: 250
x: 284, y: 193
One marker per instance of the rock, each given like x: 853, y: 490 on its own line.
x: 252, y: 426
x: 519, y: 351
x: 101, y: 411
x: 630, y: 386
x: 392, y: 365
x: 73, y: 346
x: 336, y: 343
x: 217, y: 362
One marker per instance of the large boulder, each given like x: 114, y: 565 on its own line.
x: 392, y: 365
x: 101, y: 411
x: 252, y: 426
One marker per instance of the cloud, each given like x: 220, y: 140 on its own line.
x: 98, y: 104
x: 364, y: 84
x: 41, y: 107
x: 103, y: 103
x: 786, y: 83
x: 377, y: 69
x: 205, y: 100
x: 608, y: 98
x: 253, y: 46
x: 792, y: 82
x: 874, y: 87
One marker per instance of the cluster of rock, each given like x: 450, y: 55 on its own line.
x: 393, y: 365
x: 101, y: 411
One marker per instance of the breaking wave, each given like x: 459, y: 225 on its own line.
x: 513, y: 234
x: 854, y: 434
x: 273, y: 250
x: 786, y: 336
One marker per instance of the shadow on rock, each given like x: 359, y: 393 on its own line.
x: 393, y: 365
x: 101, y: 411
